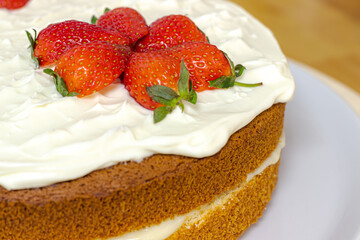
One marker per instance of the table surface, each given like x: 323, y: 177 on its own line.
x: 324, y: 34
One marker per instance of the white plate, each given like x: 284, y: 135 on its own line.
x: 318, y: 192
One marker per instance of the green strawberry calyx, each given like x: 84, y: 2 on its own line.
x: 230, y: 81
x: 32, y: 41
x: 94, y: 18
x: 169, y: 98
x: 60, y: 84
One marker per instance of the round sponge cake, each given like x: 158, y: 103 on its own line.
x: 99, y: 168
x: 130, y: 196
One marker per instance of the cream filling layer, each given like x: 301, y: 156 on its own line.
x: 168, y: 227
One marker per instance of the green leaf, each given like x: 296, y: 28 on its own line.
x: 93, y: 19
x: 169, y: 97
x: 181, y: 105
x: 239, y: 69
x: 161, y: 112
x: 32, y: 41
x: 60, y: 84
x: 183, y: 83
x: 223, y: 82
x: 162, y: 94
x: 231, y: 63
x: 192, y: 96
x: 31, y: 38
x: 72, y: 94
x: 106, y: 10
x: 185, y: 86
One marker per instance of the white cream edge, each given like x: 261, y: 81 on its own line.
x: 168, y: 227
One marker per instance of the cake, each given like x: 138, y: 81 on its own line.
x: 98, y: 167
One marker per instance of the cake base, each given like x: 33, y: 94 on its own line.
x: 229, y: 220
x: 226, y: 217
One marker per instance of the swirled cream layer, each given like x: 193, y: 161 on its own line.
x: 46, y: 138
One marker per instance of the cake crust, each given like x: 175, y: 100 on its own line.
x: 129, y: 196
x: 245, y: 206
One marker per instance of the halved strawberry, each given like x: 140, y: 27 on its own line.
x: 158, y: 82
x: 13, y: 4
x: 88, y: 68
x: 170, y: 31
x: 126, y: 20
x: 57, y: 38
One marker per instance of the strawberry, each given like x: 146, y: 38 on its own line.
x: 204, y: 61
x: 126, y: 20
x: 170, y: 31
x: 57, y: 38
x: 208, y: 66
x: 158, y: 82
x: 13, y: 4
x: 89, y: 67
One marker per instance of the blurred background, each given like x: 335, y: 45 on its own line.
x: 323, y: 34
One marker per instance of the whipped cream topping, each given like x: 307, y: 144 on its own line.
x: 46, y: 138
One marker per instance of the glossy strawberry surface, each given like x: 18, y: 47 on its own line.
x: 57, y: 38
x: 126, y: 20
x: 170, y: 31
x: 90, y: 67
x: 13, y: 4
x: 148, y: 69
x: 205, y: 63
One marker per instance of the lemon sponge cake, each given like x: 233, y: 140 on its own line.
x: 98, y: 167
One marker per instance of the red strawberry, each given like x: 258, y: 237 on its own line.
x: 170, y: 31
x: 57, y: 38
x: 204, y: 61
x: 209, y: 67
x: 126, y: 20
x: 90, y: 67
x: 13, y: 4
x: 158, y: 82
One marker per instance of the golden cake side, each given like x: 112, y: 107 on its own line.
x: 244, y: 206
